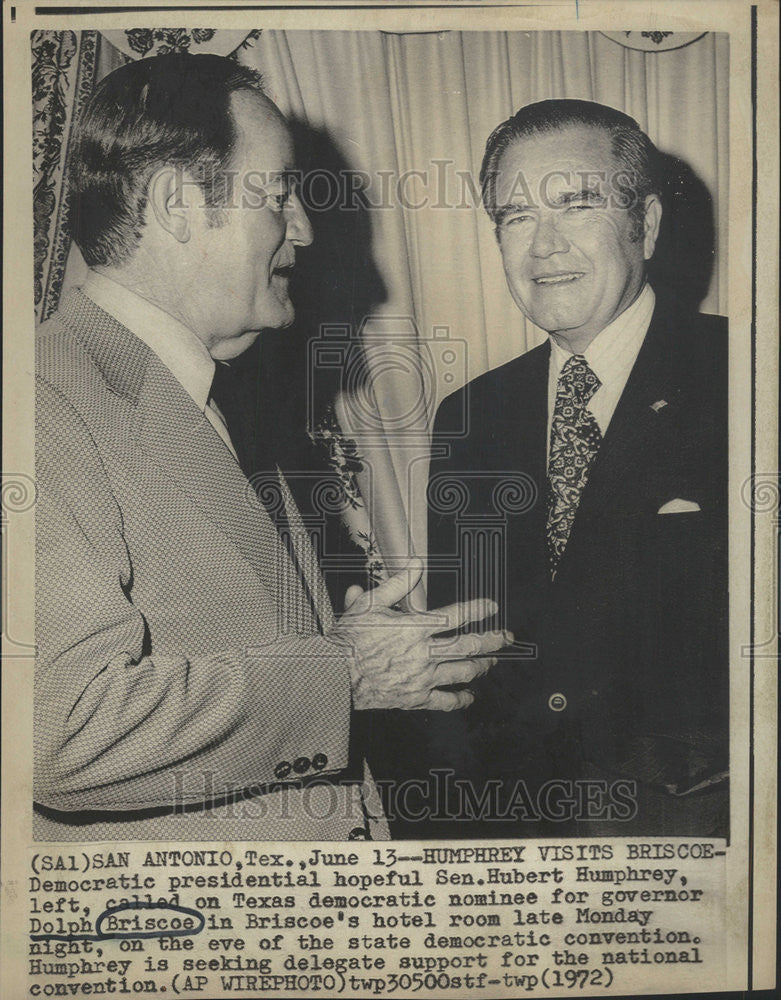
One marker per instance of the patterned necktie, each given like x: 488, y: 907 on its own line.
x: 574, y: 441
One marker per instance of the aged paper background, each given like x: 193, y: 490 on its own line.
x: 749, y: 915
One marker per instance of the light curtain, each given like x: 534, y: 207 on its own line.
x: 439, y: 312
x: 405, y: 102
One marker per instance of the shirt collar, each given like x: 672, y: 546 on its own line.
x: 613, y: 351
x: 181, y: 351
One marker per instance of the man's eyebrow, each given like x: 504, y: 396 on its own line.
x: 502, y: 211
x: 584, y: 194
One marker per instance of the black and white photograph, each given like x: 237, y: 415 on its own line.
x: 395, y: 491
x: 221, y: 276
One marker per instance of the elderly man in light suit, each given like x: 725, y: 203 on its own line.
x: 192, y: 681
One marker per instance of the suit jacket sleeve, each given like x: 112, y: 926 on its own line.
x: 121, y: 726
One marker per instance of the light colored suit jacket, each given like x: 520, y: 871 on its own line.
x: 182, y: 683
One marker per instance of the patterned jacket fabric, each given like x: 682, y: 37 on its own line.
x: 183, y: 688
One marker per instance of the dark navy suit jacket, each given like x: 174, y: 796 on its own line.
x: 624, y: 675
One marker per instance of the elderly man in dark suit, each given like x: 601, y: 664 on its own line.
x: 192, y: 681
x: 611, y: 715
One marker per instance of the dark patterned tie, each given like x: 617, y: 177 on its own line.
x: 575, y: 438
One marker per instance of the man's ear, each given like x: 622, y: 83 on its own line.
x: 651, y: 221
x: 169, y: 195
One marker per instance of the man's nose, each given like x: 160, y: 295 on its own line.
x: 548, y: 238
x: 299, y: 228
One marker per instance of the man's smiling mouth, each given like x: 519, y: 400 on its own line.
x: 558, y: 279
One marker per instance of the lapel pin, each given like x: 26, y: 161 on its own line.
x: 658, y: 405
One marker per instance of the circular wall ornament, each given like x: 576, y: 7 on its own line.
x: 136, y: 43
x: 654, y: 41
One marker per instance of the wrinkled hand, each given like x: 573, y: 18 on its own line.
x: 397, y: 661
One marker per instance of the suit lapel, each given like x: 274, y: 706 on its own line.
x: 173, y: 432
x: 636, y: 424
x: 523, y: 397
x: 184, y: 448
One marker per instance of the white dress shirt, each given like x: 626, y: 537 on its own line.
x: 610, y: 355
x: 181, y: 351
